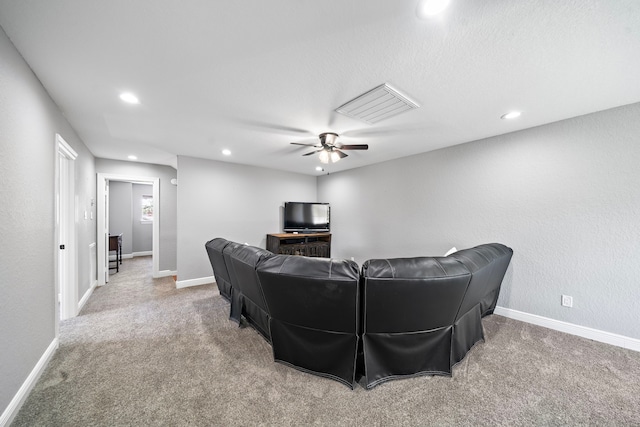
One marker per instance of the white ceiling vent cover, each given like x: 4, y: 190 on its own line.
x: 378, y: 104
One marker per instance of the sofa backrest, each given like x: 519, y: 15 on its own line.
x: 314, y: 307
x: 412, y: 294
x: 487, y: 264
x: 409, y: 307
x: 215, y: 248
x: 312, y: 292
x: 241, y: 261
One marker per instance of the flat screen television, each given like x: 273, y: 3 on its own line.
x: 305, y: 217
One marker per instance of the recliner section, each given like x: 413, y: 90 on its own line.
x: 215, y: 248
x: 410, y: 307
x: 396, y: 318
x: 247, y: 298
x: 234, y: 268
x: 314, y: 307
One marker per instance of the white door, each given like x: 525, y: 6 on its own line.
x: 106, y: 231
x: 62, y: 232
x: 67, y: 283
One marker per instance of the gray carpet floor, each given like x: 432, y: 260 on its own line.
x: 144, y: 353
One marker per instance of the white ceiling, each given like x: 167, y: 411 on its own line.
x: 254, y: 75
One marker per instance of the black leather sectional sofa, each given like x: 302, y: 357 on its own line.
x: 394, y: 318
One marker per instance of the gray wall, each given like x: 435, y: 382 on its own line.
x: 167, y: 203
x: 239, y: 203
x: 85, y: 189
x: 29, y: 120
x: 125, y: 216
x: 565, y: 197
x: 142, y: 231
x: 120, y: 218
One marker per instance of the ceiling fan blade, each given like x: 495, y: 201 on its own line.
x: 273, y: 127
x: 340, y: 153
x: 354, y: 147
x: 307, y: 141
x: 306, y: 145
x: 312, y: 152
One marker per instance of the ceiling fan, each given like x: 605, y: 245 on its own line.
x: 330, y: 148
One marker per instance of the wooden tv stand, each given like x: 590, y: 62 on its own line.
x: 305, y: 244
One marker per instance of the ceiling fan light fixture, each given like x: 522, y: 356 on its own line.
x: 324, y: 157
x: 335, y: 156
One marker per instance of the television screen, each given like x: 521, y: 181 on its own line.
x: 306, y: 217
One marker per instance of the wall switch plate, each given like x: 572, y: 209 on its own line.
x: 567, y: 301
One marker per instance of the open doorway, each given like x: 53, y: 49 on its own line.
x: 104, y: 181
x: 131, y: 216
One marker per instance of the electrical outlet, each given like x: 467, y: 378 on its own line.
x: 567, y: 301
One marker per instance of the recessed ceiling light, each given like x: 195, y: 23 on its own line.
x: 132, y: 157
x: 511, y: 115
x: 319, y: 168
x: 226, y: 152
x: 129, y: 98
x: 431, y: 7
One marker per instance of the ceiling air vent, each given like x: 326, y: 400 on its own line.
x: 378, y: 104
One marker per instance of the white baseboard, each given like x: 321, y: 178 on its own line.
x: 131, y: 255
x: 194, y: 282
x: 570, y: 328
x: 86, y: 295
x: 16, y: 403
x: 143, y: 253
x: 165, y: 273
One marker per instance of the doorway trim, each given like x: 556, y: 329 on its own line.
x: 66, y: 263
x: 103, y: 227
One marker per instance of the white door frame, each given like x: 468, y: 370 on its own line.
x: 103, y: 227
x: 66, y: 259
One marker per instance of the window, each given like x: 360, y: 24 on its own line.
x: 147, y: 209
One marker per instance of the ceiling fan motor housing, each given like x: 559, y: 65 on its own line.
x: 328, y: 138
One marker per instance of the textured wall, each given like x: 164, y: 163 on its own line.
x: 565, y: 197
x: 125, y: 215
x: 142, y: 232
x: 85, y: 197
x: 240, y: 203
x: 120, y: 219
x: 29, y: 120
x: 167, y: 204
